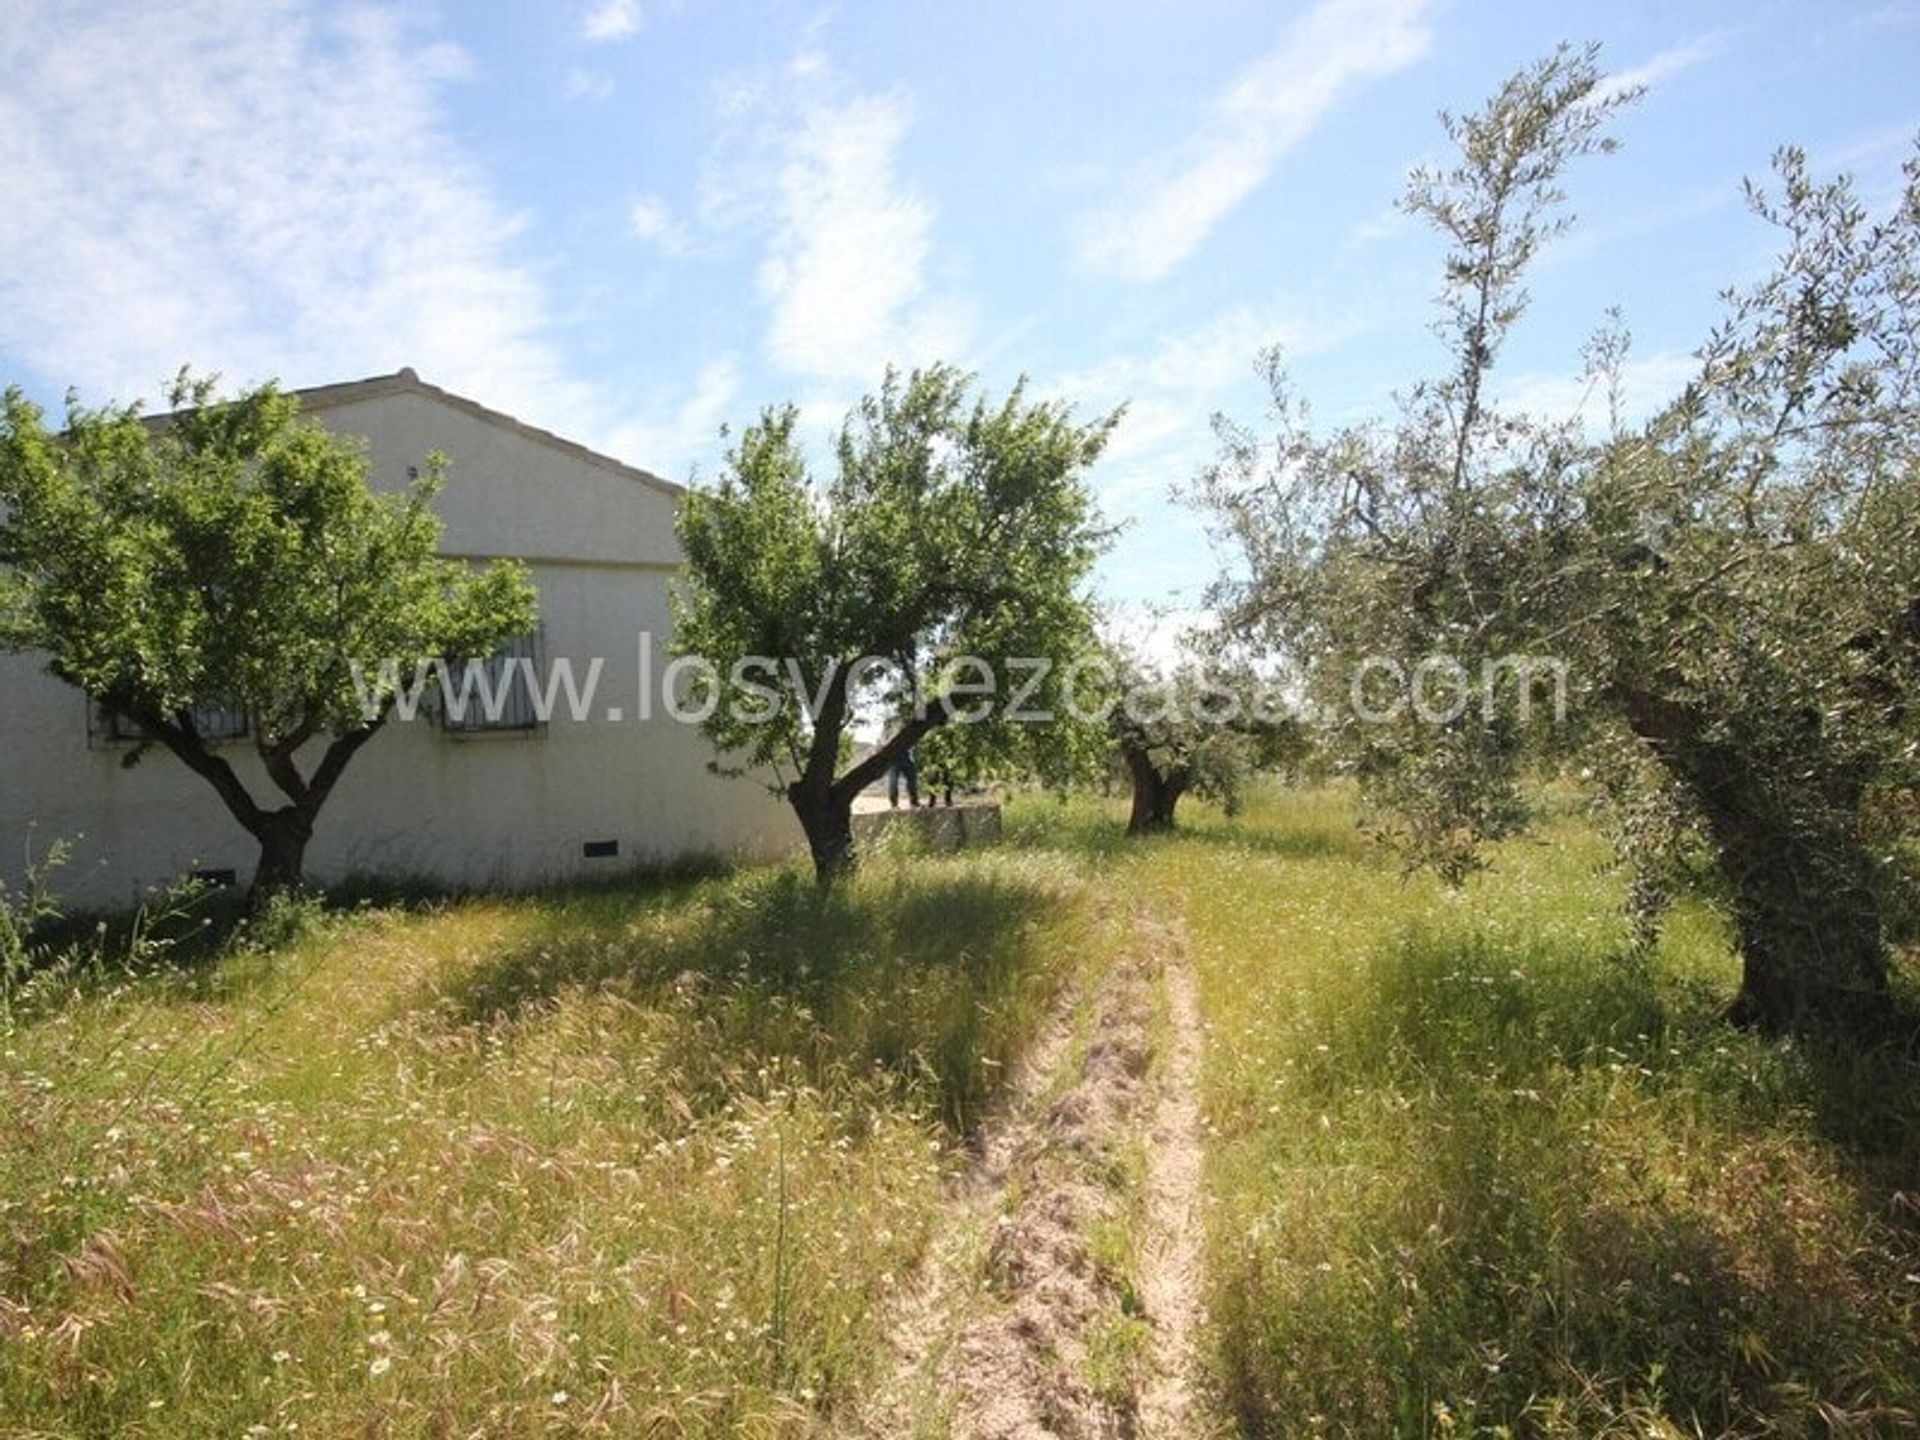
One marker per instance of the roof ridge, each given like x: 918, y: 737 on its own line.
x: 407, y: 379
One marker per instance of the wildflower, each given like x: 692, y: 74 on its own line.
x: 381, y: 1364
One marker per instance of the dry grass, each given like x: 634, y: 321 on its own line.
x: 640, y: 1162
x: 655, y: 1160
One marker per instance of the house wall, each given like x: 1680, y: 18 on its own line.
x: 507, y: 809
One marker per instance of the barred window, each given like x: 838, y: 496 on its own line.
x: 213, y: 721
x: 497, y: 694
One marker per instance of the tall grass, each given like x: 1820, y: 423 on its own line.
x: 1473, y: 1169
x: 652, y: 1159
x: 625, y: 1161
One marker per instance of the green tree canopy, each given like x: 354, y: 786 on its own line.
x: 1205, y: 727
x: 232, y: 555
x: 1731, y: 589
x: 937, y: 578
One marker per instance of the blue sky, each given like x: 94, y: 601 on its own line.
x: 633, y: 220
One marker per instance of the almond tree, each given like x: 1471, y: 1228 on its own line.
x: 938, y: 577
x: 233, y: 556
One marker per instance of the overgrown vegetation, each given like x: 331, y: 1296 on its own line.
x: 655, y: 1159
x: 1478, y: 1166
x: 1727, y: 593
x: 622, y: 1160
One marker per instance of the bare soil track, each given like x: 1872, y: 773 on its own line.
x: 1022, y: 1321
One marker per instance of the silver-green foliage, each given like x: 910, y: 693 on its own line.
x: 1733, y: 585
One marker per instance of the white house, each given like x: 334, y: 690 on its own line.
x: 509, y: 802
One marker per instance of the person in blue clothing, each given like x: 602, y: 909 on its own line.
x: 907, y: 769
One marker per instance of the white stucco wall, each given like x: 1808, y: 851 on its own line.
x: 504, y: 810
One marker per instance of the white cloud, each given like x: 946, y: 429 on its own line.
x: 611, y: 20
x: 447, y: 62
x: 845, y: 273
x: 1662, y: 66
x: 1172, y: 388
x: 1646, y: 384
x: 815, y: 172
x: 1886, y: 17
x: 1387, y: 224
x: 589, y: 85
x: 266, y: 190
x: 681, y: 433
x: 651, y: 220
x: 1172, y: 204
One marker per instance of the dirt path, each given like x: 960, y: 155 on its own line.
x: 1059, y: 1296
x: 1170, y: 1272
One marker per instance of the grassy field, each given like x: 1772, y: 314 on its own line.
x: 654, y: 1159
x: 615, y: 1161
x: 1475, y: 1169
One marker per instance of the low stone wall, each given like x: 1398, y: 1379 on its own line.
x: 937, y: 827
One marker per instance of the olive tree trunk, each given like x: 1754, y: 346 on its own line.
x: 1806, y: 891
x: 1155, y: 793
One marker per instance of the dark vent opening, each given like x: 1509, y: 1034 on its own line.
x: 600, y: 849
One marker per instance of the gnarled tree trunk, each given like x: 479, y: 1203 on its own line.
x: 1806, y: 891
x: 283, y: 834
x: 1155, y: 792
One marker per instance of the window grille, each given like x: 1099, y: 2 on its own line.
x: 214, y: 722
x: 497, y: 694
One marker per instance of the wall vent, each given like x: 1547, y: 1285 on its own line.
x: 600, y: 849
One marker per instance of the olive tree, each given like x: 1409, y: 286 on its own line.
x: 233, y: 556
x: 1200, y: 729
x: 1717, y: 609
x: 937, y: 577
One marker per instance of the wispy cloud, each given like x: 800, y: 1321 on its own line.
x: 611, y: 20
x: 1663, y: 66
x: 815, y: 171
x: 1646, y: 383
x: 1173, y: 386
x: 845, y: 274
x: 587, y: 84
x: 1170, y: 205
x: 678, y: 433
x: 650, y: 218
x: 306, y: 216
x: 1887, y: 17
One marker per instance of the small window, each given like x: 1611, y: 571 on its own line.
x: 213, y: 722
x: 497, y: 694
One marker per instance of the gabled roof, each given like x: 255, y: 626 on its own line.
x: 407, y: 381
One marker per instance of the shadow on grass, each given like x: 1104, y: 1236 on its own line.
x: 1599, y: 1204
x: 932, y: 972
x: 185, y: 943
x: 1298, y: 843
x: 1098, y: 831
